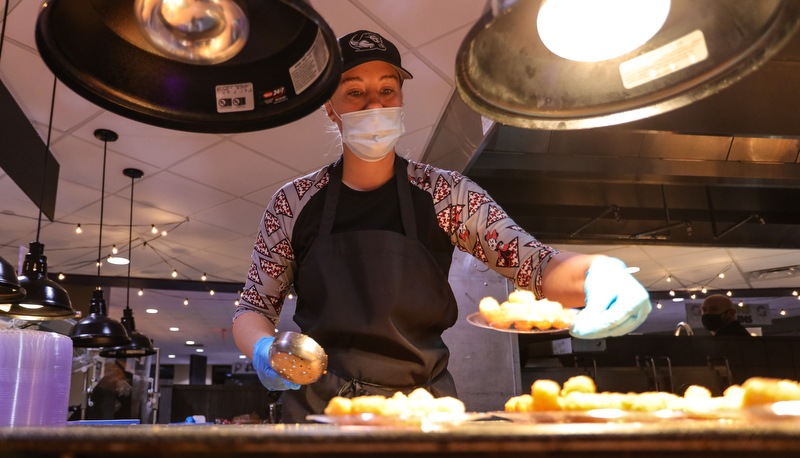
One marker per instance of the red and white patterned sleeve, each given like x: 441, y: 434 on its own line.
x: 477, y: 225
x: 273, y: 262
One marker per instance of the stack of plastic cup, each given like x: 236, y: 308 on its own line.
x: 35, y: 372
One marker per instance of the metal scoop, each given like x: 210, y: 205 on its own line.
x: 297, y: 358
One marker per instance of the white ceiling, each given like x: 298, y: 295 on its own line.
x: 209, y: 191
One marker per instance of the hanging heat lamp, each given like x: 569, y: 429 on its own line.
x: 9, y: 283
x: 44, y: 300
x: 140, y: 345
x: 97, y: 329
x: 223, y: 66
x: 577, y: 64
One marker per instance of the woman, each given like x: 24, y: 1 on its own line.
x: 367, y: 244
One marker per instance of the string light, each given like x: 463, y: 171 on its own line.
x: 783, y: 312
x: 721, y: 275
x: 186, y: 301
x: 114, y: 250
x: 78, y: 229
x: 290, y: 296
x: 61, y: 276
x: 671, y: 292
x: 729, y: 293
x: 704, y: 290
x: 794, y: 293
x: 236, y: 302
x: 669, y: 278
x: 658, y: 305
x: 211, y: 292
x: 174, y: 273
x: 694, y: 296
x: 98, y: 263
x: 141, y: 292
x: 163, y: 233
x: 153, y: 229
x: 203, y: 278
x: 741, y: 303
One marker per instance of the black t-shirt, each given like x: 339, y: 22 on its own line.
x: 734, y: 328
x: 378, y: 209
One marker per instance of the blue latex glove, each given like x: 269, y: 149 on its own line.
x: 616, y: 303
x: 266, y: 374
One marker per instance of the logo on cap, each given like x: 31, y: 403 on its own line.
x: 367, y: 41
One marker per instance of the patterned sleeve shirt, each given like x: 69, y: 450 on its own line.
x: 467, y: 215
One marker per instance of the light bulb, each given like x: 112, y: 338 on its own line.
x: 669, y: 279
x: 694, y: 296
x: 98, y: 264
x: 163, y: 233
x: 153, y: 229
x: 61, y: 276
x: 211, y: 292
x: 658, y: 305
x: 783, y: 312
x: 236, y: 302
x: 174, y: 273
x: 174, y: 329
x: 704, y: 290
x: 592, y: 31
x: 186, y: 301
x: 729, y: 294
x: 190, y: 342
x: 199, y: 350
x: 721, y: 275
x: 171, y: 356
x: 741, y: 304
x: 114, y: 250
x: 199, y: 32
x: 290, y: 296
x: 141, y: 292
x: 151, y: 311
x: 242, y: 357
x: 203, y: 278
x: 671, y: 292
x: 794, y: 293
x: 78, y: 229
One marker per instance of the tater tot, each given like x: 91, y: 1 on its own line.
x: 697, y: 391
x: 420, y: 394
x: 545, y: 395
x: 338, y: 406
x: 449, y: 404
x: 758, y: 390
x: 522, y: 297
x: 367, y: 404
x: 579, y: 383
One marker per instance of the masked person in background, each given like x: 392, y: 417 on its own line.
x: 367, y: 243
x: 718, y: 315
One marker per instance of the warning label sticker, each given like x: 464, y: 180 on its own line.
x: 670, y: 58
x: 310, y: 66
x: 235, y: 97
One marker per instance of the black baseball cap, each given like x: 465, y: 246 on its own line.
x: 365, y: 46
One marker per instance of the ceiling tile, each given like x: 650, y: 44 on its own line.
x: 781, y: 258
x: 440, y: 52
x: 22, y: 21
x: 420, y: 21
x: 238, y: 215
x: 168, y: 191
x: 304, y: 145
x: 195, y: 235
x: 344, y: 17
x: 72, y: 197
x: 240, y: 249
x: 424, y: 97
x: 150, y: 144
x: 229, y: 166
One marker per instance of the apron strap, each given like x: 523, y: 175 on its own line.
x: 403, y: 192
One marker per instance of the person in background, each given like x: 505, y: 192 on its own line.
x: 367, y: 242
x: 718, y: 315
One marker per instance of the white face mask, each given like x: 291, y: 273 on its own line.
x: 371, y: 134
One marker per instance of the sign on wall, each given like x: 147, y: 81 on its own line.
x: 748, y: 314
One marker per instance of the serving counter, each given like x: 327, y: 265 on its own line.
x: 487, y: 438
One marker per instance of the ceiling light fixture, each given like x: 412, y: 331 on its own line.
x: 139, y: 345
x: 98, y: 329
x: 203, y: 278
x: 174, y: 273
x: 153, y: 229
x: 44, y: 299
x: 78, y: 229
x: 704, y: 290
x: 171, y: 356
x: 9, y: 284
x: 158, y: 69
x: 174, y: 329
x: 151, y: 311
x: 186, y: 301
x: 669, y: 278
x: 508, y: 67
x: 671, y: 292
x: 658, y: 305
x: 729, y: 293
x: 141, y: 292
x: 783, y: 312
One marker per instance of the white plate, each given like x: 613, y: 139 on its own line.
x: 476, y: 319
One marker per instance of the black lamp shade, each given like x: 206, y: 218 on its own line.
x: 10, y: 290
x: 140, y: 345
x: 97, y: 329
x: 290, y: 65
x: 44, y: 300
x: 506, y: 73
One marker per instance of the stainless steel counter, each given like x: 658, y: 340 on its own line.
x: 684, y: 438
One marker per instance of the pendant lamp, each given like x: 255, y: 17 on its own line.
x: 140, y: 345
x: 97, y: 329
x: 222, y: 66
x: 44, y: 300
x: 9, y: 283
x: 526, y: 63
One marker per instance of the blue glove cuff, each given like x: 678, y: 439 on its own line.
x: 266, y: 374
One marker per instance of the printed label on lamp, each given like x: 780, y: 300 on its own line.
x: 681, y: 53
x: 311, y: 65
x: 235, y: 97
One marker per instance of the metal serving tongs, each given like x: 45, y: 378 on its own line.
x: 297, y: 358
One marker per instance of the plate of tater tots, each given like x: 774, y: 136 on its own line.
x: 579, y: 402
x: 522, y: 313
x: 418, y: 408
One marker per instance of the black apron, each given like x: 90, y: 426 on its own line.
x: 377, y: 302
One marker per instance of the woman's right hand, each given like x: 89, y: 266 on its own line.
x: 266, y: 374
